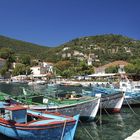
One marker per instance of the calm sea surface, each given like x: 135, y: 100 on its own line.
x: 114, y: 127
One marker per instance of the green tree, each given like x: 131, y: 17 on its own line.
x: 130, y: 68
x: 7, y: 54
x: 133, y: 67
x: 67, y: 73
x: 62, y: 65
x: 3, y: 70
x: 21, y: 69
x: 112, y: 69
x: 25, y: 59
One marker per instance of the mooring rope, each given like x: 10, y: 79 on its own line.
x: 63, y: 130
x: 107, y: 112
x: 131, y: 108
x: 86, y: 131
x: 100, y: 117
x: 105, y: 108
x: 97, y: 119
x: 135, y: 100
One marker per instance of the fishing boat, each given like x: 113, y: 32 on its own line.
x: 21, y: 123
x: 37, y: 82
x: 110, y: 102
x: 132, y: 97
x: 131, y: 90
x: 73, y: 104
x: 74, y: 84
x: 87, y: 107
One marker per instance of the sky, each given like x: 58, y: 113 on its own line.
x: 54, y: 22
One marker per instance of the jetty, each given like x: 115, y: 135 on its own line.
x: 134, y: 136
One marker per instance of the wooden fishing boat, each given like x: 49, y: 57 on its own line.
x: 110, y: 102
x: 132, y: 98
x: 132, y: 94
x: 20, y: 123
x: 70, y: 83
x: 131, y: 89
x: 87, y: 107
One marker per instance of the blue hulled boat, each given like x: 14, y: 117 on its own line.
x: 131, y: 90
x: 20, y: 123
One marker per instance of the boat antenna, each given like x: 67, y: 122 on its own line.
x: 25, y: 94
x: 24, y: 91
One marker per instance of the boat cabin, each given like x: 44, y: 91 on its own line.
x: 2, y: 107
x: 17, y: 114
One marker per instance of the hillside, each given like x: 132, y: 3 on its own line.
x: 98, y: 50
x: 21, y: 47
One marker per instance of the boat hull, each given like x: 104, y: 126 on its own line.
x: 112, y: 102
x: 58, y: 131
x: 132, y: 100
x: 87, y: 109
x: 46, y: 134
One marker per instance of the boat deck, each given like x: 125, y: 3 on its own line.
x: 43, y: 122
x: 52, y: 101
x: 2, y: 95
x: 67, y: 102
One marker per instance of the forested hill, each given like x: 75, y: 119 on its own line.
x: 22, y: 47
x: 101, y: 49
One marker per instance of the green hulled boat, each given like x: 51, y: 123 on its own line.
x: 87, y: 107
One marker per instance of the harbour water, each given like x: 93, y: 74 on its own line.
x: 113, y: 127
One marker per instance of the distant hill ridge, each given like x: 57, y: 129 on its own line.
x: 101, y: 49
x: 22, y: 47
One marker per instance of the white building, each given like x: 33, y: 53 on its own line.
x: 89, y: 61
x: 121, y: 69
x: 42, y: 70
x: 48, y: 66
x: 66, y: 48
x: 77, y: 53
x: 36, y: 70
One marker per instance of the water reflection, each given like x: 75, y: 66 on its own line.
x: 114, y: 127
x: 87, y: 131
